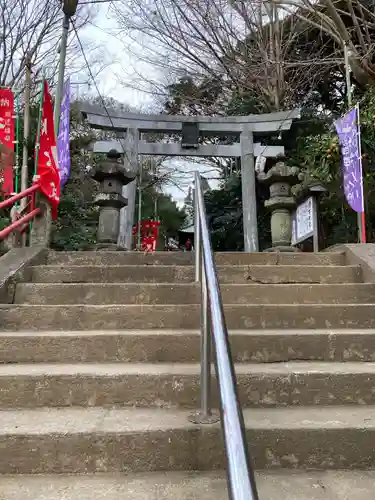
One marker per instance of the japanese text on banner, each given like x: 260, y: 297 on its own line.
x: 348, y: 131
x: 63, y: 140
x: 6, y: 140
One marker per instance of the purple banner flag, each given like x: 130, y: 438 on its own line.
x: 349, y: 135
x: 63, y: 139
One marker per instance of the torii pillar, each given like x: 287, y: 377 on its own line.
x: 193, y: 129
x: 130, y: 148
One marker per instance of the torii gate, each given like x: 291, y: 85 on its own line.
x: 191, y: 128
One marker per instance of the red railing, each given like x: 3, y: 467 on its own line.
x: 23, y: 219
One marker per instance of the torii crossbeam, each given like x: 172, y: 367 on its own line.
x: 192, y: 128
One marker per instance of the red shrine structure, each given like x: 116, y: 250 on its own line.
x: 149, y: 234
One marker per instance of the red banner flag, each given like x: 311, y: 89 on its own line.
x: 47, y: 167
x: 6, y: 141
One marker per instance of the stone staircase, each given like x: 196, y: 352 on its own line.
x: 99, y: 372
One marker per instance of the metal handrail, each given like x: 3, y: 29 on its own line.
x: 21, y: 219
x: 16, y: 197
x: 241, y: 480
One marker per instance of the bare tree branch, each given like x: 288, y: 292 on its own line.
x: 348, y: 22
x: 260, y: 48
x: 32, y: 28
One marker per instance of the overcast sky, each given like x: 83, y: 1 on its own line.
x: 125, y: 67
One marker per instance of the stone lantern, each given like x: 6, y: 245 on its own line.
x: 112, y: 176
x: 280, y: 178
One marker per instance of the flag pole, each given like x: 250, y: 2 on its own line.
x: 17, y: 163
x: 37, y: 143
x: 26, y: 130
x: 39, y: 128
x: 360, y: 215
x: 26, y: 133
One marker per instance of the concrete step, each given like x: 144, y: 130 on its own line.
x: 87, y: 317
x: 186, y: 258
x: 179, y: 274
x: 183, y: 346
x: 271, y: 485
x: 189, y: 293
x: 177, y: 385
x: 88, y: 440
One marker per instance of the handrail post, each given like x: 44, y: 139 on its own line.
x: 204, y: 415
x: 197, y: 237
x: 205, y: 351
